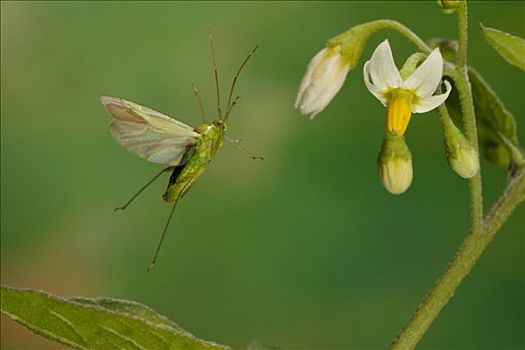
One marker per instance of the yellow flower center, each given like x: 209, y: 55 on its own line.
x: 398, y: 111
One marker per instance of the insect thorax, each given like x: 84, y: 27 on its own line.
x: 211, y: 139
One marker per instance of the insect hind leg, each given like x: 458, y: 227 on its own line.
x: 170, y: 168
x: 157, y: 251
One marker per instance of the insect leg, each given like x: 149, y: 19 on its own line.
x: 144, y: 187
x: 152, y: 263
x: 235, y: 142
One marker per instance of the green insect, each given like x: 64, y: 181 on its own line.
x: 164, y: 140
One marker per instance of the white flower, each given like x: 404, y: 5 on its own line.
x: 324, y: 77
x: 402, y: 97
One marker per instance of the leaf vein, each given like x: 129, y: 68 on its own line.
x: 69, y: 324
x: 126, y: 338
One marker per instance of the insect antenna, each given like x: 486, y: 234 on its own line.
x: 199, y: 101
x: 216, y: 75
x: 235, y: 78
x: 144, y: 187
x: 154, y: 260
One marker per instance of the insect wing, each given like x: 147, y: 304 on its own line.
x: 148, y: 133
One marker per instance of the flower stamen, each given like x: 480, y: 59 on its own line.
x: 398, y: 112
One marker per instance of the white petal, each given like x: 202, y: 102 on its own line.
x: 427, y: 76
x: 429, y: 103
x: 383, y: 70
x: 321, y: 94
x: 378, y: 93
x: 324, y: 77
x: 314, y: 62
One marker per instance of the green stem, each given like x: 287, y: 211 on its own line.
x: 365, y: 30
x: 466, y: 257
x: 461, y: 60
x: 469, y: 117
x: 469, y: 123
x: 381, y: 24
x: 405, y: 31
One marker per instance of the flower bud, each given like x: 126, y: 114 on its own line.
x: 395, y: 164
x: 449, y: 6
x: 327, y: 71
x: 323, y: 79
x: 461, y: 155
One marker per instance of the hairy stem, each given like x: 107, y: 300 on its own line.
x: 469, y: 123
x: 469, y: 117
x: 466, y: 257
x: 401, y: 29
x: 461, y: 60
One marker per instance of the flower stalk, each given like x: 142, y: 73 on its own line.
x: 482, y: 230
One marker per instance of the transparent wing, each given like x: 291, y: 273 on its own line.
x: 148, y: 133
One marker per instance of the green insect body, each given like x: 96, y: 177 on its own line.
x: 185, y: 176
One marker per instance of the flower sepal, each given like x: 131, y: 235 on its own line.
x: 353, y: 42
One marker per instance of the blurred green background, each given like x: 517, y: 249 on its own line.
x: 303, y: 250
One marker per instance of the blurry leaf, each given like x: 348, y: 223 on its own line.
x: 100, y: 323
x: 127, y: 307
x: 510, y: 47
x: 257, y: 345
x: 494, y: 121
x: 448, y: 48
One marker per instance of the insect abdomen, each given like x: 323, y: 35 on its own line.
x: 175, y: 174
x: 182, y: 179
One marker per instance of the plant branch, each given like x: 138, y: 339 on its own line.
x: 469, y: 123
x: 461, y: 59
x: 469, y: 118
x: 401, y: 29
x: 466, y: 257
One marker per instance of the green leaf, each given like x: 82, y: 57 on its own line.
x: 496, y: 125
x: 510, y: 47
x: 127, y: 307
x: 96, y: 323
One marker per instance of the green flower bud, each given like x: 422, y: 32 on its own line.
x: 449, y: 6
x: 461, y: 155
x: 411, y: 64
x: 395, y: 164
